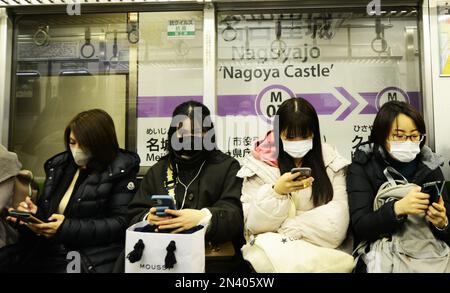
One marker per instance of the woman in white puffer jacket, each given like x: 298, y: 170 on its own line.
x: 314, y: 209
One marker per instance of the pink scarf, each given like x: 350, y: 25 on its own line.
x: 265, y: 150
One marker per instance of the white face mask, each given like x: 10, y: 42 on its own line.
x: 81, y: 158
x: 404, y: 151
x: 297, y: 149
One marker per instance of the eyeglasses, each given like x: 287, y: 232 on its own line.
x: 413, y: 137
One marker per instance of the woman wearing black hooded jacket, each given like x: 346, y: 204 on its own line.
x: 397, y: 140
x: 204, y: 183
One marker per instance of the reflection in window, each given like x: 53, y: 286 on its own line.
x: 65, y: 65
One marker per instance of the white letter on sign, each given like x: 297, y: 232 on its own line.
x: 374, y: 7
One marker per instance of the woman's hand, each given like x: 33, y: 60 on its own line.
x: 414, y: 203
x: 153, y: 219
x: 437, y: 214
x: 182, y: 220
x: 28, y: 206
x: 49, y: 229
x: 25, y: 206
x: 287, y: 183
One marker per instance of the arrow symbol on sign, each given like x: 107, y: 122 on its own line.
x: 353, y: 103
x: 371, y: 99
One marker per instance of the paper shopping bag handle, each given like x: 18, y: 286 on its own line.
x: 170, y: 259
x: 136, y: 254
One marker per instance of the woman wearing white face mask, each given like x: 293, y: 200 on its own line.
x: 275, y: 200
x: 397, y: 140
x: 84, y: 204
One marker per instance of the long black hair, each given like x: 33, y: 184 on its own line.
x: 387, y: 115
x: 295, y: 118
x: 198, y: 114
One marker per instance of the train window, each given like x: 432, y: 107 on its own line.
x: 170, y: 71
x: 346, y: 63
x: 64, y: 65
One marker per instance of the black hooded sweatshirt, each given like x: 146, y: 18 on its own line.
x: 216, y: 188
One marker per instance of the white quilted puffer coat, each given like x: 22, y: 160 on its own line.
x: 267, y: 211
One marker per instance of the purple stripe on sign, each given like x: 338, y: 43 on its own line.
x: 325, y: 104
x: 414, y: 99
x: 371, y: 99
x: 237, y: 105
x: 161, y: 106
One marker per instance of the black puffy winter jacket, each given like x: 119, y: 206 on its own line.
x: 364, y: 178
x: 96, y: 215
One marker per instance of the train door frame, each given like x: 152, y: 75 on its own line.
x: 6, y: 35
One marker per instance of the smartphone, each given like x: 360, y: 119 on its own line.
x: 305, y: 172
x: 434, y: 189
x: 25, y: 217
x: 162, y: 203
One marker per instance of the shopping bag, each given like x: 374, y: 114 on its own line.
x: 153, y: 252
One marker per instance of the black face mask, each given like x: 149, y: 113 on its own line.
x: 192, y: 152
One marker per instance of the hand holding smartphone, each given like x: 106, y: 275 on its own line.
x: 305, y: 172
x: 25, y: 217
x: 162, y: 203
x: 434, y: 189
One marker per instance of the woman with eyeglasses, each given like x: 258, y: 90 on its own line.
x: 397, y: 140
